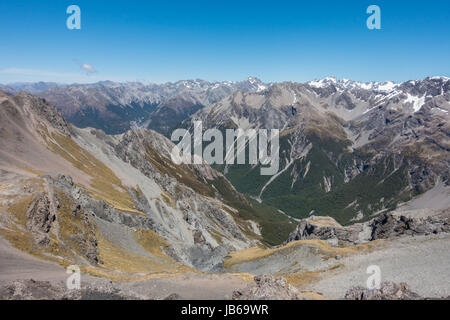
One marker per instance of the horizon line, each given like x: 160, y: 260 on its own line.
x: 339, y: 79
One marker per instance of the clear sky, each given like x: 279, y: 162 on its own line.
x: 159, y: 41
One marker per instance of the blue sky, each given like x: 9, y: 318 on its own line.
x: 159, y: 41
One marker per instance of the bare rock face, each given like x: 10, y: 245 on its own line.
x: 43, y: 110
x: 387, y: 291
x: 40, y: 218
x: 388, y: 225
x: 63, y: 212
x: 328, y: 229
x: 186, y: 185
x: 115, y: 107
x: 268, y: 288
x: 198, y: 237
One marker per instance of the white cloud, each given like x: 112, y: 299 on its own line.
x: 88, y: 68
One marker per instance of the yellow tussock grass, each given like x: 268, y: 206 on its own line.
x: 105, y: 185
x: 254, y: 253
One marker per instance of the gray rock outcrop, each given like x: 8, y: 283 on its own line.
x: 387, y: 291
x: 384, y: 226
x: 267, y: 287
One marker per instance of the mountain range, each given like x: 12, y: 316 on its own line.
x: 348, y: 149
x: 116, y: 107
x: 364, y: 171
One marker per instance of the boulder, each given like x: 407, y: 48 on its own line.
x: 267, y: 287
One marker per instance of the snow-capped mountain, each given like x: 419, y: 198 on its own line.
x: 346, y: 84
x: 374, y: 143
x: 347, y: 99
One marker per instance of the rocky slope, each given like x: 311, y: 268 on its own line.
x: 111, y: 202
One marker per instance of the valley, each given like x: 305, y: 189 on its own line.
x: 362, y: 180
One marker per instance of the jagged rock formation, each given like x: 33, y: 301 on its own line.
x: 326, y: 228
x: 40, y: 218
x: 384, y: 226
x: 268, y: 288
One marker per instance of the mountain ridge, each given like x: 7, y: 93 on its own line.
x: 116, y: 107
x: 337, y: 138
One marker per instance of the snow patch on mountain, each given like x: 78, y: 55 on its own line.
x: 417, y: 102
x: 346, y: 84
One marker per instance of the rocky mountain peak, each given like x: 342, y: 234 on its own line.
x: 35, y: 112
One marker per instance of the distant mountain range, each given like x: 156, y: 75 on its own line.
x: 33, y: 87
x: 348, y: 149
x: 116, y: 107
